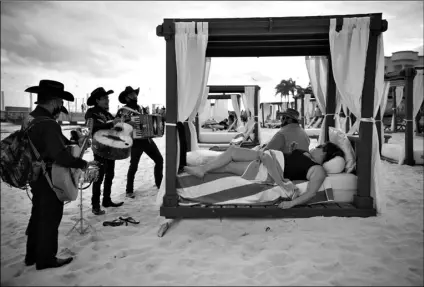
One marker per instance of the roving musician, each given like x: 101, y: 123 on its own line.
x: 102, y: 120
x: 129, y: 98
x: 47, y: 138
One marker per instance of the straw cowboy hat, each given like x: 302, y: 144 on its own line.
x: 97, y: 94
x: 48, y: 89
x: 128, y: 90
x: 291, y: 113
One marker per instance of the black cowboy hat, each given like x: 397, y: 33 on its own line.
x: 291, y: 113
x: 97, y: 94
x: 128, y: 90
x: 49, y: 89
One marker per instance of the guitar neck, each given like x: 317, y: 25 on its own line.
x: 86, y: 140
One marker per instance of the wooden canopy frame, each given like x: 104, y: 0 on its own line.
x: 404, y: 78
x: 224, y: 93
x: 265, y: 37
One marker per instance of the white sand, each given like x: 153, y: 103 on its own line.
x: 386, y: 250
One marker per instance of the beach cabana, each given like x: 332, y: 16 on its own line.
x: 269, y: 111
x: 248, y: 95
x: 410, y: 82
x: 325, y: 36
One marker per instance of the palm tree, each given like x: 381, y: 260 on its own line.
x: 284, y: 88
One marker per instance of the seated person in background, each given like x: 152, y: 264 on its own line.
x: 244, y: 132
x: 299, y: 165
x: 289, y: 132
x: 232, y: 123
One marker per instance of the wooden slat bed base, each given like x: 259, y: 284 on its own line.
x: 327, y: 210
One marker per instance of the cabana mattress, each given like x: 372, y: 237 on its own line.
x: 226, y: 189
x: 208, y: 136
x: 396, y: 152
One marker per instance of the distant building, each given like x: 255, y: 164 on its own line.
x: 402, y: 59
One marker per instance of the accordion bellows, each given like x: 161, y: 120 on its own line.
x: 147, y: 126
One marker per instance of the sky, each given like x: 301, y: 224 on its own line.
x: 86, y: 45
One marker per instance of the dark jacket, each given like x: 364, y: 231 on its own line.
x: 50, y: 143
x: 102, y: 119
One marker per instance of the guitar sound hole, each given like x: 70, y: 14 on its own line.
x: 114, y: 138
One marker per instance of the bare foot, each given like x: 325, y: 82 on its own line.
x: 195, y: 170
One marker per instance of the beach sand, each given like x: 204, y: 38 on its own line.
x: 385, y: 250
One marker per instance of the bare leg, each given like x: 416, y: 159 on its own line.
x: 233, y: 153
x: 237, y: 168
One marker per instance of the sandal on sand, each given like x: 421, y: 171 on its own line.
x: 115, y: 222
x: 129, y: 220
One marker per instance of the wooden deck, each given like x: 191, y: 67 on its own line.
x: 327, y: 210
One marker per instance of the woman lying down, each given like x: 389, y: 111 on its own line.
x: 298, y: 165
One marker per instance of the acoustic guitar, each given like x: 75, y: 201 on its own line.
x: 65, y: 180
x: 114, y: 144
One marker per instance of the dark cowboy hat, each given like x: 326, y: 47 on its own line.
x: 48, y: 89
x: 97, y: 94
x: 128, y: 90
x: 291, y: 113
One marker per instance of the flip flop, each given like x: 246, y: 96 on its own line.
x: 129, y: 220
x: 113, y: 223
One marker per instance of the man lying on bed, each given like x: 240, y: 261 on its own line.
x: 299, y: 165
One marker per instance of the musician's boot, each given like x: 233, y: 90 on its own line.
x: 97, y: 211
x: 110, y: 203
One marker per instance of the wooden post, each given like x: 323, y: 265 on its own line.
x: 394, y: 115
x: 378, y: 120
x: 171, y: 198
x: 263, y: 116
x: 409, y: 102
x: 197, y: 125
x: 330, y: 107
x: 255, y: 113
x: 363, y: 199
x: 302, y: 110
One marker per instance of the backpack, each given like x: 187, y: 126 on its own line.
x: 19, y: 160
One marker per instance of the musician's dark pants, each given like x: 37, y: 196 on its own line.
x: 42, y: 231
x: 149, y: 147
x: 106, y: 172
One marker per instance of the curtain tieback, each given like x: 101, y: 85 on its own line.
x: 368, y: 120
x: 171, y: 124
x: 408, y: 120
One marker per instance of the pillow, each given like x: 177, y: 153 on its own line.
x: 335, y: 165
x: 340, y: 139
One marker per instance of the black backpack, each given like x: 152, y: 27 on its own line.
x: 20, y: 163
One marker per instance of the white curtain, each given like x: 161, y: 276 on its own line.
x: 220, y: 110
x: 418, y: 95
x: 236, y: 107
x: 383, y: 105
x: 339, y: 124
x: 190, y: 51
x: 249, y: 101
x: 318, y: 74
x: 203, y: 101
x: 348, y: 53
x: 399, y: 96
x: 307, y: 106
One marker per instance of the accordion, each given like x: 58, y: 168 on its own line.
x: 147, y: 126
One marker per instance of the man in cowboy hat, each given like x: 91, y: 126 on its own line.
x: 102, y: 120
x: 129, y: 98
x: 291, y: 135
x: 47, y: 210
